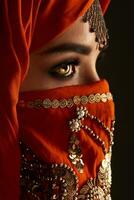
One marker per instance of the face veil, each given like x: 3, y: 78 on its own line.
x: 66, y: 130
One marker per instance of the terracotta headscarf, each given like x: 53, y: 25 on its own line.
x: 25, y: 26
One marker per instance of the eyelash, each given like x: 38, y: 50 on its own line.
x: 70, y: 65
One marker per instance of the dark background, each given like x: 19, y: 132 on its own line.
x: 118, y: 69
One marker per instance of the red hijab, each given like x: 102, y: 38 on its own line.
x: 26, y: 25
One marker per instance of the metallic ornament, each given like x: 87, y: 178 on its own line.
x: 75, y: 125
x: 97, y: 24
x: 75, y: 154
x: 66, y: 103
x: 41, y: 180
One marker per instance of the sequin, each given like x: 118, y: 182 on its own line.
x: 84, y: 99
x: 76, y: 100
x: 97, y: 98
x: 55, y: 103
x: 46, y: 181
x: 91, y: 98
x: 103, y: 98
x: 75, y: 154
x: 76, y: 125
x: 47, y: 103
x: 62, y: 103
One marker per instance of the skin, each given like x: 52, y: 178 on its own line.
x: 47, y: 58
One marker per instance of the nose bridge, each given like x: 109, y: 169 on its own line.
x: 88, y: 74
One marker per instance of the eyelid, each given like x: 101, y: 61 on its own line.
x: 76, y: 61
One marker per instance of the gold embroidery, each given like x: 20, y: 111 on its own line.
x: 46, y: 181
x: 62, y: 103
x: 76, y: 125
x: 75, y: 154
x: 98, y: 97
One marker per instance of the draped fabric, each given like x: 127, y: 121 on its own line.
x: 44, y: 118
x: 26, y: 25
x: 47, y: 132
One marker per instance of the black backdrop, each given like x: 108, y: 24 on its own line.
x: 118, y: 69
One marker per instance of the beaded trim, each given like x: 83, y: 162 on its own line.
x: 75, y: 126
x: 45, y: 181
x: 70, y: 102
x: 97, y: 24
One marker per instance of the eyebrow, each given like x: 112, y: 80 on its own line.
x: 68, y: 47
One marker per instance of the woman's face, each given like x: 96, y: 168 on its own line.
x: 70, y: 59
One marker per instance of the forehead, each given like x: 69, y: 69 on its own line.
x: 78, y: 32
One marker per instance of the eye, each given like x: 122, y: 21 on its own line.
x: 65, y: 69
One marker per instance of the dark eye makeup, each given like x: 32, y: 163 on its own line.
x: 65, y: 69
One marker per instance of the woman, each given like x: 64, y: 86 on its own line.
x: 65, y: 113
